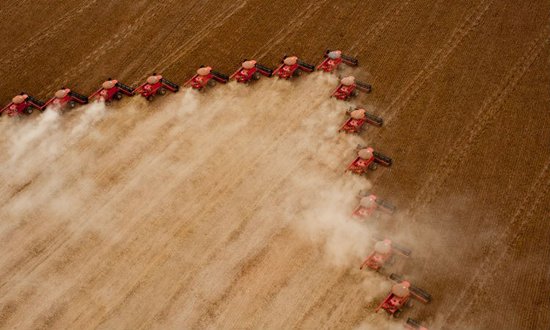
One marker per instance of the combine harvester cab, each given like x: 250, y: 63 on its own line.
x: 370, y: 203
x: 22, y: 104
x: 333, y: 59
x: 250, y: 70
x: 291, y: 67
x: 206, y: 77
x: 349, y: 87
x: 368, y: 159
x: 156, y: 85
x: 358, y: 118
x: 412, y: 324
x: 111, y: 90
x: 383, y: 254
x: 400, y: 296
x: 66, y: 98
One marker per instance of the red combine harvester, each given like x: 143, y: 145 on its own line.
x: 400, y: 296
x: 349, y: 87
x: 206, y: 77
x: 367, y: 159
x: 291, y: 67
x: 369, y: 203
x: 250, y: 70
x: 156, y: 85
x: 358, y: 117
x: 383, y: 254
x: 22, y: 104
x: 334, y: 58
x: 412, y: 324
x: 112, y: 90
x: 64, y: 98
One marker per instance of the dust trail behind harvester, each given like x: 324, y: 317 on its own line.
x: 225, y: 209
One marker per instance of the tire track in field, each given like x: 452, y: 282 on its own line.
x: 128, y: 165
x: 331, y: 307
x: 437, y: 61
x: 377, y: 28
x: 17, y: 190
x: 251, y: 209
x: 244, y: 269
x: 202, y: 212
x: 322, y: 298
x: 457, y: 154
x: 11, y: 307
x: 296, y: 23
x: 36, y: 255
x: 41, y: 174
x: 9, y: 7
x: 293, y: 262
x: 112, y: 151
x: 238, y: 231
x: 493, y: 258
x: 45, y: 33
x: 280, y: 33
x: 179, y: 291
x: 214, y: 23
x: 534, y: 317
x: 161, y: 198
x: 297, y: 114
x: 98, y: 53
x: 249, y: 261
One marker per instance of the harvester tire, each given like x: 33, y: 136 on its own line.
x: 297, y: 73
x: 72, y: 104
x: 373, y: 166
x: 397, y: 314
x: 256, y: 76
x: 150, y: 98
x: 118, y: 95
x: 354, y: 93
x: 211, y: 83
x: 29, y: 110
x: 161, y: 91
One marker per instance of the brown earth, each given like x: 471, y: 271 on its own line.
x: 229, y: 209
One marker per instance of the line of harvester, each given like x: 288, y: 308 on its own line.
x: 290, y: 67
x: 156, y: 85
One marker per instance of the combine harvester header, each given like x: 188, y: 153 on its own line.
x: 292, y: 67
x: 111, y: 90
x: 206, y: 77
x: 400, y: 296
x: 370, y: 203
x: 333, y: 59
x: 367, y: 159
x: 64, y: 98
x: 156, y: 85
x: 251, y: 70
x: 349, y: 87
x: 383, y: 254
x: 358, y: 118
x: 22, y: 104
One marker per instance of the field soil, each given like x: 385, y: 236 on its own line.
x: 230, y: 208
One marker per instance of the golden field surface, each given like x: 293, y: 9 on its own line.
x: 231, y: 209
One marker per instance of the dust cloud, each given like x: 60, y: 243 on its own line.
x: 199, y: 180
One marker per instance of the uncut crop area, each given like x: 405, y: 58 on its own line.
x: 231, y: 208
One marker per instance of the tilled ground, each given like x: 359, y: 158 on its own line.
x: 228, y: 209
